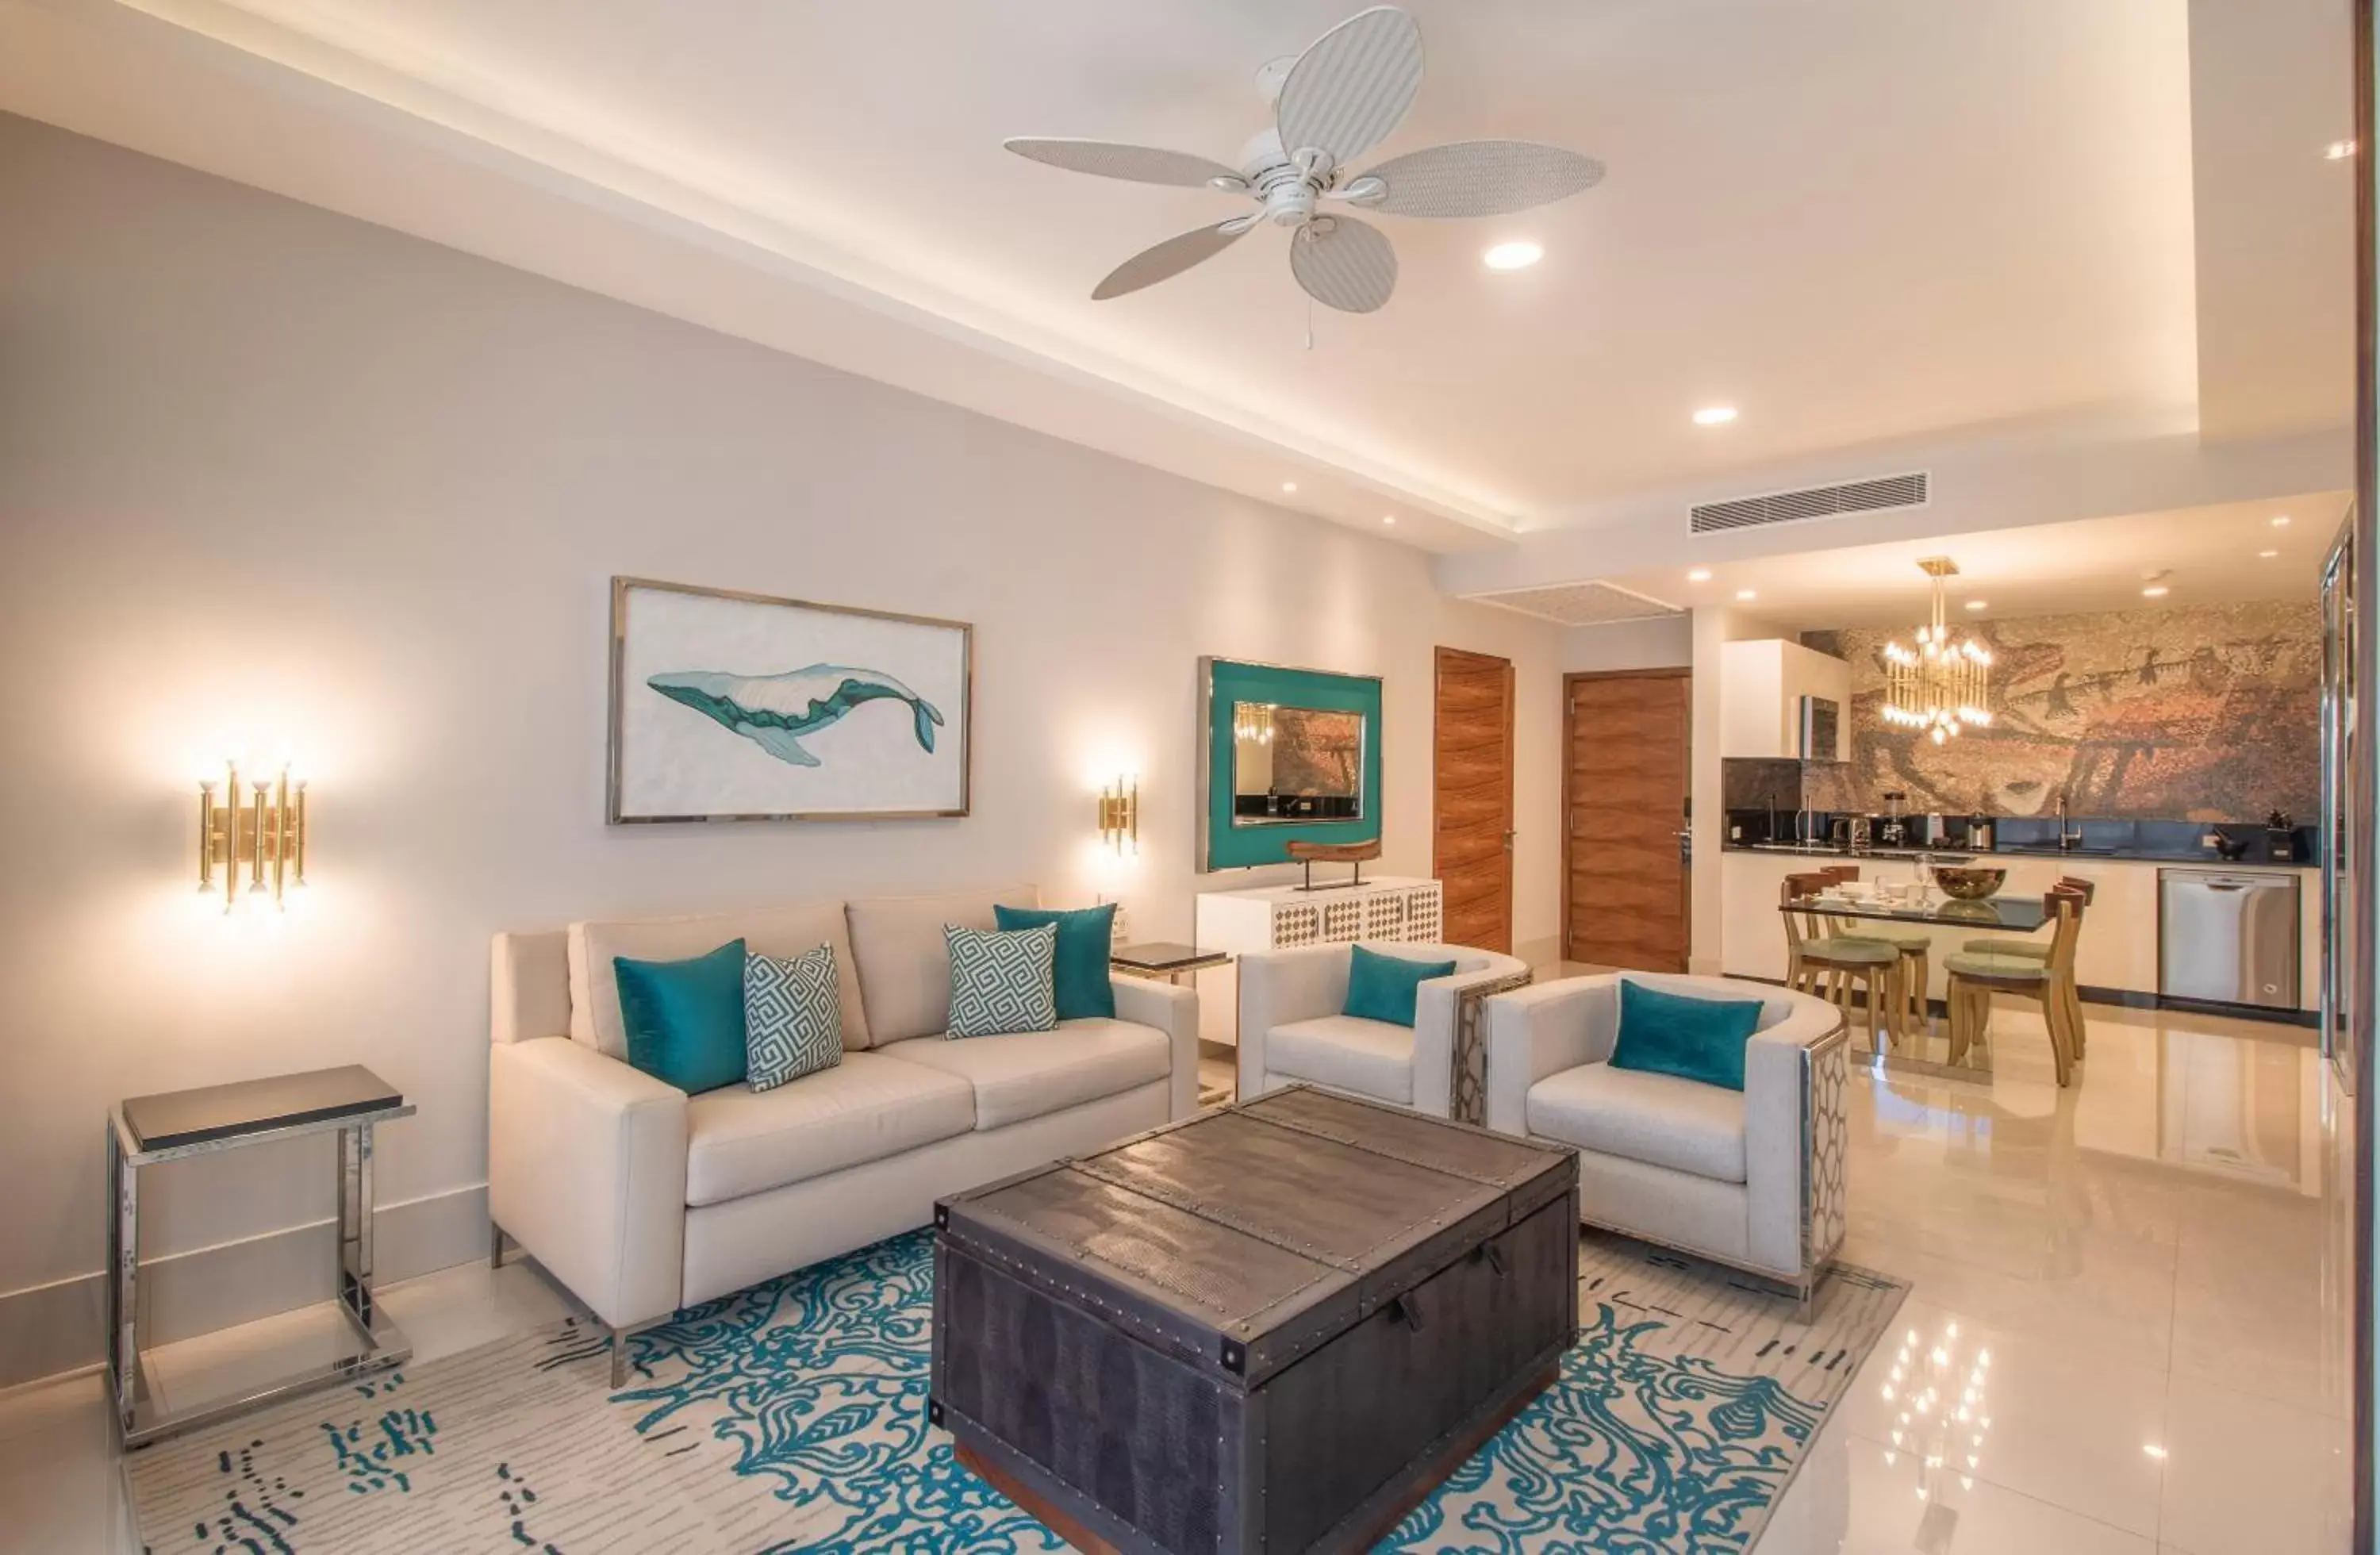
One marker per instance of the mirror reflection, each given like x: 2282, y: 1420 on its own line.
x: 1295, y: 764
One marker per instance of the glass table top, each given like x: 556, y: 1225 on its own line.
x: 2020, y: 914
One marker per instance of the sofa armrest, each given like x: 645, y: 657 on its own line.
x: 1776, y: 1150
x: 1544, y: 1029
x: 1279, y: 987
x: 587, y: 1171
x: 1173, y: 1011
x: 1437, y: 1010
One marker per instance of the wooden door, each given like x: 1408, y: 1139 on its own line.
x: 1472, y: 852
x: 1624, y: 783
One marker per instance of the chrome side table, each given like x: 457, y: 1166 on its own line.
x: 149, y: 1130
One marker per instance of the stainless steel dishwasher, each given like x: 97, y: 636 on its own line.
x: 2229, y: 935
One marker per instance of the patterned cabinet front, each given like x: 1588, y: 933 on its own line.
x: 1404, y: 910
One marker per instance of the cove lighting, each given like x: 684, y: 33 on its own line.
x: 1517, y: 255
x: 1714, y: 415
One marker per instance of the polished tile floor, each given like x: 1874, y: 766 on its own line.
x: 2119, y: 1339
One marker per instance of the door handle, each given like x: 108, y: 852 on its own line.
x: 1508, y: 840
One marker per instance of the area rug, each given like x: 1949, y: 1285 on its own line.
x: 792, y: 1416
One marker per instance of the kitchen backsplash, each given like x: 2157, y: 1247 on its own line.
x: 2193, y: 713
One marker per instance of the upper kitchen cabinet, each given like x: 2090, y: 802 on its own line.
x: 1765, y: 688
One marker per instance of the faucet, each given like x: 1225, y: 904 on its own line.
x: 2067, y: 841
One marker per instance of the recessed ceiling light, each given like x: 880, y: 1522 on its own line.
x: 2339, y: 151
x: 1714, y: 415
x: 2155, y: 591
x: 1387, y: 518
x: 1517, y: 255
x: 1747, y: 594
x: 1976, y: 605
x: 2268, y: 555
x: 1700, y: 575
x: 2280, y: 520
x: 1289, y: 485
x: 2153, y: 1450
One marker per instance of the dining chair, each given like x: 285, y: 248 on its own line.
x: 1835, y: 965
x: 1915, y: 975
x: 1977, y: 975
x: 2039, y: 950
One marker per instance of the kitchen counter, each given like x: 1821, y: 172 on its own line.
x: 2118, y: 948
x: 1830, y: 850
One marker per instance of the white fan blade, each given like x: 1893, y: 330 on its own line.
x: 1170, y: 258
x: 1475, y: 178
x: 1352, y: 87
x: 1343, y: 263
x: 1142, y: 164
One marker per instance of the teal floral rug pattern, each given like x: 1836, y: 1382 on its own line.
x: 792, y: 1416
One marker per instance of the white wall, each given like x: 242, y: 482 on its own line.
x: 267, y: 474
x: 1658, y: 643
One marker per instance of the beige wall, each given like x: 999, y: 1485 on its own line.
x: 271, y: 475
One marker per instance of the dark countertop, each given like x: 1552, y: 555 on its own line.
x: 2134, y: 855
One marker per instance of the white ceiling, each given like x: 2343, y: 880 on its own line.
x: 1858, y: 221
x: 2208, y: 555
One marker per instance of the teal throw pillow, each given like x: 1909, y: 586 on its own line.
x: 1699, y: 1039
x: 1386, y: 987
x: 793, y: 1016
x: 1084, y: 936
x: 685, y: 1018
x: 1001, y: 981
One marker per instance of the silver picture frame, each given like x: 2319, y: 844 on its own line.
x: 616, y: 809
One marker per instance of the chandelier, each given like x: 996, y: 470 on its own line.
x: 1938, y: 687
x: 1252, y: 723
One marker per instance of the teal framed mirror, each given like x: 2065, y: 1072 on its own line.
x: 1287, y: 755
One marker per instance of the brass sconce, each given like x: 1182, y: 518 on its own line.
x: 1120, y: 815
x: 266, y: 831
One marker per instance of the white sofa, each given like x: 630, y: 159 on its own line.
x: 642, y: 1200
x: 1291, y: 1027
x: 1752, y: 1179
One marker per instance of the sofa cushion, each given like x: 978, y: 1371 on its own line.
x: 1370, y: 1058
x: 1040, y: 1071
x: 685, y: 1019
x: 785, y: 931
x: 741, y: 1141
x: 1386, y: 988
x: 905, y: 969
x: 1656, y: 1119
x: 1001, y: 981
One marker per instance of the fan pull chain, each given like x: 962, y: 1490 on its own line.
x: 1309, y: 323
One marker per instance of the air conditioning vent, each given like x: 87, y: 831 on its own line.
x: 1883, y: 494
x: 1581, y: 605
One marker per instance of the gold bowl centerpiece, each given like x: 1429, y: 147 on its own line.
x: 1969, y: 882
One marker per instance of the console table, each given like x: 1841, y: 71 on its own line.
x: 150, y: 1130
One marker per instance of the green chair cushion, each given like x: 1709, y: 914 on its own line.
x: 2006, y: 968
x: 1898, y: 942
x: 2037, y: 950
x: 1846, y: 950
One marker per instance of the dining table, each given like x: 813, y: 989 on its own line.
x: 1925, y: 1051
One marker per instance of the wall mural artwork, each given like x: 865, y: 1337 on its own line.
x: 730, y: 706
x: 2205, y: 712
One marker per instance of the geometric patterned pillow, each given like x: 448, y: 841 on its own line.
x: 793, y: 1016
x: 1003, y: 980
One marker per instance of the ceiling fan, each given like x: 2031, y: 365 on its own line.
x: 1332, y: 104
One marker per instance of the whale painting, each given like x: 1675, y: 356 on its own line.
x: 772, y: 710
x: 730, y: 706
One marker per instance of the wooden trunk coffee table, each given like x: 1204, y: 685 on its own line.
x: 1274, y: 1327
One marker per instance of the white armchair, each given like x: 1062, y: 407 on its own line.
x: 1291, y: 1027
x: 1751, y: 1179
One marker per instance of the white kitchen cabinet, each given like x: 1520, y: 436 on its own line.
x: 1762, y: 683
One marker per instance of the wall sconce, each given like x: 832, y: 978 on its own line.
x: 266, y: 831
x: 1120, y: 815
